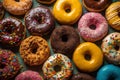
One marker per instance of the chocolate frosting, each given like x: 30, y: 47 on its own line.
x: 12, y: 31
x: 97, y: 4
x: 82, y: 76
x: 39, y: 21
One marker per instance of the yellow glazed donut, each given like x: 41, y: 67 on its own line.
x: 113, y: 15
x: 17, y: 7
x: 67, y: 11
x: 88, y: 57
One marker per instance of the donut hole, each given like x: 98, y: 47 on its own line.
x: 2, y: 66
x: 93, y: 27
x: 111, y: 78
x: 39, y: 18
x: 87, y: 56
x: 9, y: 28
x: 34, y: 48
x: 64, y: 38
x: 116, y: 47
x: 119, y: 14
x: 57, y: 68
x: 67, y: 8
x: 17, y: 0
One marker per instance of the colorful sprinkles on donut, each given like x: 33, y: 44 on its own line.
x: 9, y: 64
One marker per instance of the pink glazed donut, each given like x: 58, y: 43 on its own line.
x: 92, y: 26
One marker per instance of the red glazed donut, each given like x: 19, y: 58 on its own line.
x: 92, y: 26
x: 12, y: 32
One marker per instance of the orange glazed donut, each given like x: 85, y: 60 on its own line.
x: 17, y: 7
x: 88, y: 57
x: 34, y: 50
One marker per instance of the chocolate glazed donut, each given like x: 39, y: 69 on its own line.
x: 12, y: 32
x: 39, y: 21
x: 82, y: 76
x: 64, y: 39
x: 96, y: 5
x: 46, y: 1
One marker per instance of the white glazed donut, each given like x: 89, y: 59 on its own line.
x: 57, y: 60
x: 111, y: 48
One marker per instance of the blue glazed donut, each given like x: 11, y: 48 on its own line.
x: 109, y: 72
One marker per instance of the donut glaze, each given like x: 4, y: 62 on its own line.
x: 39, y: 21
x: 29, y: 75
x: 82, y: 76
x: 46, y: 1
x: 88, y: 57
x: 12, y: 32
x: 34, y: 50
x: 9, y: 64
x: 92, y: 26
x: 111, y: 48
x: 1, y: 10
x: 113, y: 15
x: 66, y: 38
x: 67, y: 11
x: 96, y: 5
x: 17, y: 7
x: 109, y: 72
x: 57, y: 60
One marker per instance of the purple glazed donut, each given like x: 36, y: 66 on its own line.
x: 39, y: 21
x: 12, y: 32
x: 92, y: 26
x: 9, y: 64
x: 29, y: 75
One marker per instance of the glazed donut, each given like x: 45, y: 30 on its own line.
x: 113, y: 15
x: 29, y: 75
x: 17, y: 7
x: 109, y: 72
x: 57, y: 61
x: 67, y: 12
x: 46, y: 1
x: 12, y: 32
x: 9, y: 64
x: 34, y: 50
x: 96, y: 5
x: 111, y: 48
x: 66, y: 38
x: 1, y: 10
x: 39, y: 21
x: 82, y: 76
x: 92, y: 26
x: 88, y: 54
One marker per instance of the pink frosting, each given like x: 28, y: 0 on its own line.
x: 29, y: 75
x: 96, y: 19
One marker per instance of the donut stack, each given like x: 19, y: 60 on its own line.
x: 59, y: 40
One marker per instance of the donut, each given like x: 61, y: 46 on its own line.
x: 9, y: 64
x: 88, y: 54
x: 57, y: 67
x: 111, y: 48
x: 12, y: 32
x: 96, y: 5
x: 46, y: 1
x: 92, y: 27
x: 39, y: 21
x: 113, y: 15
x: 67, y: 12
x: 1, y: 10
x: 109, y: 72
x: 29, y: 75
x: 82, y: 76
x: 17, y: 7
x: 34, y: 50
x: 66, y: 38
